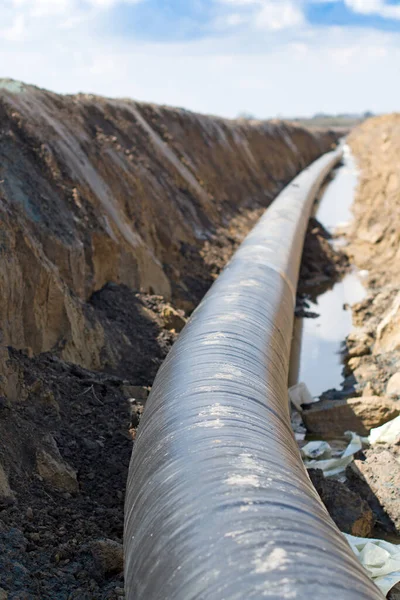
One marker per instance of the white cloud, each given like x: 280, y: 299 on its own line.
x: 234, y: 19
x: 332, y: 70
x: 276, y: 16
x: 110, y: 3
x: 379, y: 8
x: 270, y: 15
x: 241, y: 2
x: 44, y: 8
x: 268, y: 62
x: 364, y: 6
x: 16, y: 31
x: 21, y: 20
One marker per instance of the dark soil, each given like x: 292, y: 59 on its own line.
x: 46, y: 533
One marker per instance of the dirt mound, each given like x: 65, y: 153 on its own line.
x: 96, y: 190
x: 374, y: 239
x: 373, y: 348
x: 111, y: 210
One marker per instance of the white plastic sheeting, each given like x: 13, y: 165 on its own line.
x: 321, y: 455
x: 386, y: 434
x: 380, y: 559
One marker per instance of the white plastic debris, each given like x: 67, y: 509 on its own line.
x: 299, y: 394
x: 334, y: 466
x: 381, y: 560
x: 317, y: 450
x: 386, y: 434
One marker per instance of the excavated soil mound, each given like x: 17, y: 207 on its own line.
x: 370, y: 496
x: 374, y: 245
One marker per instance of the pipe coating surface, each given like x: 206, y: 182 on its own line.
x: 219, y: 505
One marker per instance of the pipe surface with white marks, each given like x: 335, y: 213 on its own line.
x: 219, y: 505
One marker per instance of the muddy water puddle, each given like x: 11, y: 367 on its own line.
x: 318, y: 343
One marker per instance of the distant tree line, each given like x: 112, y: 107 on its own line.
x: 318, y: 116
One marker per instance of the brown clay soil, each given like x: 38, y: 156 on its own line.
x: 115, y: 218
x: 374, y: 246
x: 374, y: 348
x: 368, y: 502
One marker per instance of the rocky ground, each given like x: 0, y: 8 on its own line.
x: 374, y: 349
x: 116, y: 217
x: 366, y: 500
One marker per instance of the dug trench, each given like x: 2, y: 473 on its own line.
x: 364, y: 499
x: 116, y: 217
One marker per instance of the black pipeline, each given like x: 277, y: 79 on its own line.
x: 219, y: 505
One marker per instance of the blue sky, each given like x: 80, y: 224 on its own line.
x: 265, y: 57
x: 193, y: 19
x: 341, y: 14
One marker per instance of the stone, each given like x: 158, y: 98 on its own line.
x: 369, y: 389
x: 373, y: 234
x: 348, y: 510
x: 360, y: 349
x: 335, y: 417
x: 173, y: 319
x: 378, y: 479
x: 108, y: 556
x: 388, y: 331
x: 3, y: 594
x: 354, y: 363
x: 358, y: 344
x: 136, y: 413
x: 365, y: 370
x: 393, y: 386
x: 53, y: 469
x: 138, y: 392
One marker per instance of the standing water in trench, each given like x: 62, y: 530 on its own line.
x: 318, y: 342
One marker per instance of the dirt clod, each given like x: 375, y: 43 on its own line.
x: 335, y: 417
x: 380, y: 471
x: 347, y: 508
x: 393, y: 386
x: 54, y: 470
x: 108, y: 556
x: 173, y: 320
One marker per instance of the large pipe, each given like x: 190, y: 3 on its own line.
x: 219, y: 505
